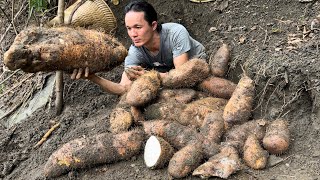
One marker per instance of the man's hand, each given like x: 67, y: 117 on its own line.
x: 80, y: 73
x: 134, y: 72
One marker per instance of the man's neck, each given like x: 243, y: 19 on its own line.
x: 154, y: 45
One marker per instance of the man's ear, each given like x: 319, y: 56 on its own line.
x: 154, y: 25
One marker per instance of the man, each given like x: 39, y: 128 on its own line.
x: 155, y: 46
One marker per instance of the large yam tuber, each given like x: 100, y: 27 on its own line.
x: 213, y: 127
x: 219, y: 62
x: 164, y: 110
x: 211, y: 102
x: 183, y: 95
x: 239, y: 106
x: 51, y: 49
x: 157, y: 152
x: 144, y: 89
x: 185, y: 161
x: 238, y: 134
x: 196, y: 111
x: 277, y: 138
x: 176, y: 134
x: 218, y: 87
x: 120, y: 120
x: 220, y: 165
x: 194, y: 115
x: 99, y: 149
x: 187, y: 75
x: 212, y: 131
x: 253, y: 154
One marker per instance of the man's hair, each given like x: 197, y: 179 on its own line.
x: 150, y: 13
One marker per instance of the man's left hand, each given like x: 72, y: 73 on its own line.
x: 134, y: 72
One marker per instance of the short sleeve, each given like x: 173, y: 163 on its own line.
x: 133, y: 58
x: 181, y: 41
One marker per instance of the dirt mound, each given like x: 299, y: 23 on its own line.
x: 270, y: 40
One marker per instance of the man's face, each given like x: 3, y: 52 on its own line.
x: 138, y: 28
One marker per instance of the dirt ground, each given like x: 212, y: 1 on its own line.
x: 268, y: 41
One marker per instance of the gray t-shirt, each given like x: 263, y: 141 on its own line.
x: 174, y: 41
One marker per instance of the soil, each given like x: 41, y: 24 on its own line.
x: 270, y: 42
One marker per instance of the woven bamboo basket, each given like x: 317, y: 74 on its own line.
x: 93, y: 14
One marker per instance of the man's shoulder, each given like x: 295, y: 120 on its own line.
x: 172, y: 25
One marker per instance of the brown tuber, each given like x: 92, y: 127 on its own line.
x: 187, y: 75
x: 176, y: 134
x: 66, y: 49
x: 185, y: 160
x: 196, y: 111
x: 219, y: 62
x: 183, y: 95
x: 238, y: 134
x: 220, y: 165
x: 99, y: 149
x: 277, y: 138
x: 144, y: 89
x: 120, y: 120
x: 169, y: 111
x: 218, y: 87
x: 253, y: 153
x: 239, y: 106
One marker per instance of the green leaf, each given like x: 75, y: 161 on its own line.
x: 38, y: 5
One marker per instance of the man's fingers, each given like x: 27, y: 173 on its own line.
x: 131, y: 74
x: 79, y: 73
x: 86, y: 72
x: 74, y: 74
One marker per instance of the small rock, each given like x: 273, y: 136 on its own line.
x: 213, y: 29
x: 316, y: 153
x: 8, y: 168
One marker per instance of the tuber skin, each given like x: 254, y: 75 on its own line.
x: 170, y: 111
x: 277, y: 138
x: 253, y: 153
x: 50, y: 49
x: 185, y: 160
x: 219, y: 62
x: 182, y: 95
x: 144, y: 89
x: 120, y: 120
x: 196, y: 111
x: 176, y: 134
x: 218, y: 87
x: 238, y: 134
x: 187, y: 75
x: 220, y: 165
x: 239, y: 106
x: 99, y: 149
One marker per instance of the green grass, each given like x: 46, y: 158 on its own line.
x: 38, y: 5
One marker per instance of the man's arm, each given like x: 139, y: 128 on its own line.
x: 181, y: 59
x: 177, y: 61
x: 109, y: 86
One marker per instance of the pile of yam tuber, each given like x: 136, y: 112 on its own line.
x: 204, y: 129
